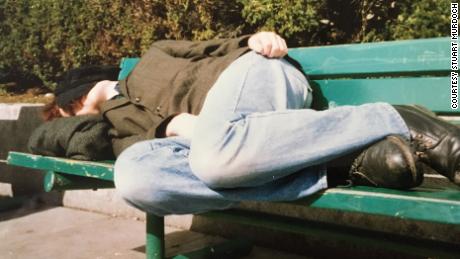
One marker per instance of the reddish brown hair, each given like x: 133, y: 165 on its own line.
x: 51, y: 110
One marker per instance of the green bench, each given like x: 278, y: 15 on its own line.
x: 400, y: 72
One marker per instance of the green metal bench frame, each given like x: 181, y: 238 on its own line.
x: 399, y: 72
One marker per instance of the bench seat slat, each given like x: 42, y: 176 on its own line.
x: 392, y: 90
x: 419, y: 204
x: 99, y: 170
x: 393, y: 57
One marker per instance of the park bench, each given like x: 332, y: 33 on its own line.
x: 398, y: 72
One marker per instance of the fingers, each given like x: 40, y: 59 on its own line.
x: 283, y: 45
x: 268, y: 44
x: 255, y: 45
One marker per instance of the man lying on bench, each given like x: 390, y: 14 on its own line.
x: 198, y: 126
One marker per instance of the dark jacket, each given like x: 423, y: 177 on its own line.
x: 172, y: 77
x: 77, y: 137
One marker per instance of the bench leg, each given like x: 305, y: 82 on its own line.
x: 155, y: 244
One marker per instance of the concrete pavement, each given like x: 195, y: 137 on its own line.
x: 59, y: 232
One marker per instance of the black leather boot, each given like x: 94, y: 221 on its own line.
x: 389, y: 163
x: 436, y: 141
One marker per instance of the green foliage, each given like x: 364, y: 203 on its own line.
x: 46, y: 37
x: 296, y: 20
x: 43, y: 38
x: 421, y: 19
x: 201, y: 20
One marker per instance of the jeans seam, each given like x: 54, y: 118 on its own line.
x: 243, y: 84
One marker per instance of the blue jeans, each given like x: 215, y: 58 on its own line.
x: 255, y: 139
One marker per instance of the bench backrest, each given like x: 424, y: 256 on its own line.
x: 397, y: 72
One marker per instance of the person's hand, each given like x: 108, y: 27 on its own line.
x: 268, y: 44
x: 64, y: 113
x: 182, y: 125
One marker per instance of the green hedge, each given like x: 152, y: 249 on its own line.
x: 42, y: 38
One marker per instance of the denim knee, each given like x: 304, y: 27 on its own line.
x: 155, y: 176
x: 126, y: 182
x: 136, y: 184
x: 125, y: 176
